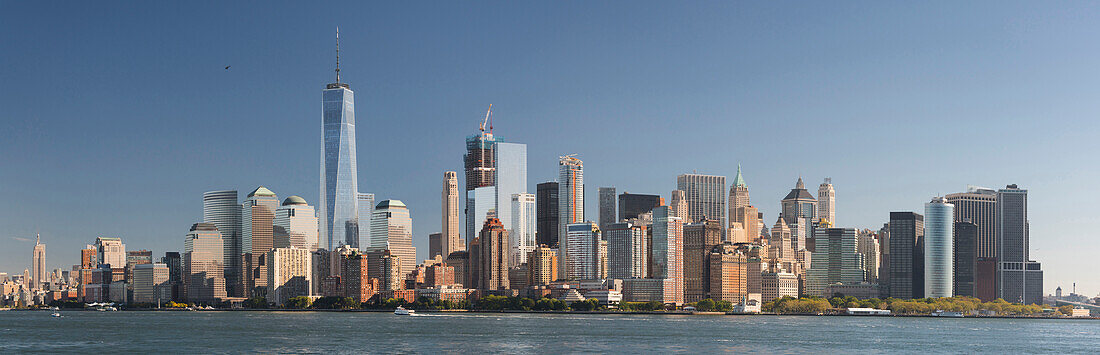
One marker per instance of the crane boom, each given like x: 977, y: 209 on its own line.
x: 486, y: 121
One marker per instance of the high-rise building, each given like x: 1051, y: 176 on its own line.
x: 355, y: 279
x: 339, y: 205
x: 295, y: 225
x: 979, y: 205
x: 939, y: 252
x: 1019, y: 279
x: 460, y: 261
x: 222, y: 209
x: 826, y: 201
x: 728, y: 272
x: 435, y: 244
x: 542, y: 266
x: 668, y: 254
x: 966, y: 258
x: 799, y: 211
x: 633, y: 205
x: 678, y: 205
x: 837, y: 260
x: 700, y: 238
x: 451, y: 238
x: 257, y: 237
x: 628, y: 250
x: 289, y: 274
x: 151, y: 283
x: 570, y: 206
x: 906, y: 255
x: 391, y: 229
x: 739, y: 192
x: 493, y: 261
x: 38, y: 264
x: 494, y: 171
x: 174, y: 261
x: 706, y: 197
x: 511, y: 179
x: 366, y: 210
x: 522, y: 229
x: 546, y: 201
x: 744, y: 219
x: 608, y: 208
x: 582, y: 249
x: 110, y: 251
x: 203, y: 279
x: 868, y: 247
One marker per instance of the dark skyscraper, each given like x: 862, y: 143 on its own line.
x: 966, y: 258
x: 1019, y: 279
x: 546, y: 205
x: 906, y: 255
x: 608, y: 207
x: 632, y: 205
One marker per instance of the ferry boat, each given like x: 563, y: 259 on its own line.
x: 401, y: 311
x: 56, y: 315
x: 942, y: 313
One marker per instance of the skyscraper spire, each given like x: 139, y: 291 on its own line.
x: 799, y: 184
x: 337, y: 54
x: 739, y: 181
x: 38, y: 239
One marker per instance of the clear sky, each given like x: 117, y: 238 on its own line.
x: 116, y: 117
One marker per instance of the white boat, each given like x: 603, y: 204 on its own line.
x: 942, y: 313
x: 55, y: 314
x: 401, y: 311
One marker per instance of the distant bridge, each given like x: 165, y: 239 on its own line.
x: 1093, y: 309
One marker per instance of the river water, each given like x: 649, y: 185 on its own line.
x: 471, y: 333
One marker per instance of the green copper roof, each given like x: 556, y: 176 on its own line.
x: 294, y: 200
x: 739, y: 181
x: 261, y: 191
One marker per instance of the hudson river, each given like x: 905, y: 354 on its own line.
x: 473, y: 333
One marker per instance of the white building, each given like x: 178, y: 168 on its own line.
x: 939, y: 231
x: 391, y: 229
x: 521, y: 232
x: 290, y: 274
x: 295, y: 225
x: 151, y: 283
x: 111, y: 251
x: 826, y: 201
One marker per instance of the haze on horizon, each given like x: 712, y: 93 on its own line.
x: 118, y: 116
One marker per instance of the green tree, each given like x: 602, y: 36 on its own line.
x: 300, y: 302
x: 255, y: 303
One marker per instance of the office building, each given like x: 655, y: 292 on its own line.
x: 295, y: 225
x: 435, y: 244
x: 608, y: 208
x: 339, y: 207
x: 979, y: 206
x: 826, y: 201
x: 111, y: 252
x: 739, y: 192
x: 836, y: 261
x: 966, y: 258
x: 939, y: 252
x: 867, y: 244
x: 174, y: 261
x: 906, y: 261
x: 38, y: 264
x: 728, y: 273
x: 582, y: 250
x: 257, y: 237
x: 289, y: 274
x: 521, y: 232
x: 799, y: 212
x: 203, y: 273
x: 366, y: 210
x: 391, y: 229
x: 744, y: 219
x: 570, y: 206
x: 628, y: 250
x: 511, y: 179
x: 777, y: 284
x: 700, y: 238
x: 542, y: 266
x: 151, y: 283
x: 633, y: 205
x: 1019, y: 279
x: 493, y: 258
x: 546, y: 201
x: 667, y: 254
x: 679, y: 205
x: 495, y: 170
x: 706, y: 197
x: 222, y: 209
x: 451, y: 240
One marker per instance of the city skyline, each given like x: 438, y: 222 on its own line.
x: 288, y: 166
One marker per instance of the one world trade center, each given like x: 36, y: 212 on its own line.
x: 339, y: 184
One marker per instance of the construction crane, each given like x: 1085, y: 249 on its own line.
x: 487, y: 121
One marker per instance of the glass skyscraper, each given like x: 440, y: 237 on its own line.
x: 939, y: 252
x: 339, y: 183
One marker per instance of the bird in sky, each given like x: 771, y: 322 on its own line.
x: 227, y: 67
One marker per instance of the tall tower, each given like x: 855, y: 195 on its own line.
x: 826, y: 201
x: 678, y: 205
x: 739, y: 192
x: 522, y: 229
x: 202, y: 264
x: 1019, y: 279
x: 608, y: 208
x: 38, y: 263
x: 706, y: 197
x: 546, y: 199
x: 742, y: 214
x: 452, y: 241
x: 222, y: 209
x: 906, y: 257
x: 570, y: 203
x: 339, y: 179
x: 295, y: 225
x: 257, y: 238
x: 493, y: 260
x: 939, y: 248
x: 391, y: 229
x: 799, y: 211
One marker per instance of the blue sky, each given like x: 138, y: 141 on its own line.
x: 117, y: 116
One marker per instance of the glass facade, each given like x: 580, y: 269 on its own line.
x: 939, y: 226
x: 339, y: 182
x: 366, y: 210
x: 511, y: 179
x: 522, y: 232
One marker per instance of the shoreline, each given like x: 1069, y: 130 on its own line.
x: 670, y: 313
